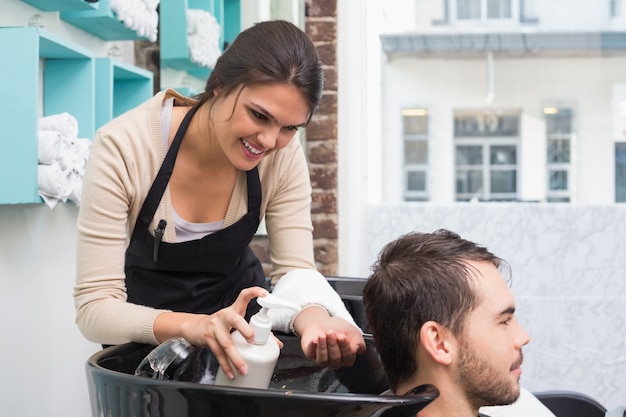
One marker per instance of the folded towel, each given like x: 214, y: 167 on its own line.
x: 65, y: 154
x: 203, y: 37
x: 76, y: 185
x: 49, y: 146
x: 80, y: 152
x: 138, y: 15
x: 64, y: 123
x: 54, y: 183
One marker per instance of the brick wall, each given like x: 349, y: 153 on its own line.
x: 321, y: 136
x: 321, y: 143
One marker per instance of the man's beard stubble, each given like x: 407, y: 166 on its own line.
x: 484, y: 385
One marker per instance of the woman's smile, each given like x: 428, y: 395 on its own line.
x: 252, y: 150
x: 256, y: 120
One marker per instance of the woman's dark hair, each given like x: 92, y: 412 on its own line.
x: 418, y: 278
x: 269, y: 52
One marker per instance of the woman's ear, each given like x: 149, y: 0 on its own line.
x: 437, y: 342
x: 217, y: 91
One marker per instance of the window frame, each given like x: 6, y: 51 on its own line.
x: 410, y: 167
x: 486, y: 143
x: 559, y: 195
x: 515, y: 14
x: 620, y: 168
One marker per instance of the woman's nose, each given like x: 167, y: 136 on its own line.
x: 268, y: 137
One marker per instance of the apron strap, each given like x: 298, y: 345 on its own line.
x: 165, y: 172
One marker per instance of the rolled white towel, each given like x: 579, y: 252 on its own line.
x: 48, y: 146
x: 64, y: 123
x: 203, y: 37
x: 76, y: 181
x: 138, y: 15
x: 119, y: 8
x: 305, y: 287
x: 54, y: 183
x: 80, y: 152
x: 193, y: 21
x: 65, y: 158
x: 152, y: 4
x: 152, y: 25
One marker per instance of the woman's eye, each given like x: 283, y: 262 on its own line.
x: 292, y: 128
x: 258, y: 115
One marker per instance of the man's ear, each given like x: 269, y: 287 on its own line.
x: 437, y: 342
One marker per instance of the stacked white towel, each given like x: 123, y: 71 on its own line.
x: 138, y: 15
x: 62, y: 159
x: 203, y: 37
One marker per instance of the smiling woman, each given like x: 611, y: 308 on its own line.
x: 174, y: 192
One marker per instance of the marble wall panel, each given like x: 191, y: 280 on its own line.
x: 568, y: 275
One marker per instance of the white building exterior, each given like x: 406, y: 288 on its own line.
x: 527, y: 60
x: 567, y: 259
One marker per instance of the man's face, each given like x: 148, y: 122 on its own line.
x: 490, y: 346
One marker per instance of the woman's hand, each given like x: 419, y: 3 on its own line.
x: 329, y: 341
x: 214, y: 330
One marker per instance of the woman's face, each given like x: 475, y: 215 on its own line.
x: 261, y: 119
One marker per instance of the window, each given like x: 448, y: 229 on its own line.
x: 415, y: 132
x: 620, y: 172
x: 486, y: 147
x: 559, y: 146
x: 483, y: 9
x: 618, y: 8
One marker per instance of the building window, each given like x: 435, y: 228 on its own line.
x: 483, y: 10
x: 415, y: 133
x: 620, y: 172
x: 486, y: 148
x: 618, y: 8
x: 559, y: 149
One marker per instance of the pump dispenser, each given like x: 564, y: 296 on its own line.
x: 262, y: 355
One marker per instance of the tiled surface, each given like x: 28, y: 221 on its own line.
x: 569, y: 279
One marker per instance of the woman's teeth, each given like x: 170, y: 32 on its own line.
x: 251, y: 148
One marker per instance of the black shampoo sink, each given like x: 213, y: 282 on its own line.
x: 298, y: 388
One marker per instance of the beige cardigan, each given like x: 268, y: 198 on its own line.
x: 125, y: 157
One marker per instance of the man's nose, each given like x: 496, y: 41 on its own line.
x: 523, y: 338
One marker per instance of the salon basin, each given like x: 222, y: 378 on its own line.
x: 298, y: 388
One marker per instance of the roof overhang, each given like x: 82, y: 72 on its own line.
x: 507, y: 44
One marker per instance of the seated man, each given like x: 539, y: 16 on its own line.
x: 442, y: 314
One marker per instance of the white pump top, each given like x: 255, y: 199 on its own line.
x: 261, y: 323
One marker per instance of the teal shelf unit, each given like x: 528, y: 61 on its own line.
x: 232, y: 20
x: 101, y: 22
x: 41, y: 75
x: 173, y: 30
x: 119, y: 88
x: 61, y: 5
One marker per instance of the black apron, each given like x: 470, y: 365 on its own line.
x: 198, y: 276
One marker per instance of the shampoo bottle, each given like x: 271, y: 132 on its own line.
x: 262, y: 355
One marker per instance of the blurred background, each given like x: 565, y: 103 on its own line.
x: 502, y: 120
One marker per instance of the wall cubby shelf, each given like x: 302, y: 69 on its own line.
x: 61, y: 5
x: 47, y: 75
x: 119, y: 88
x: 101, y: 22
x: 174, y: 47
